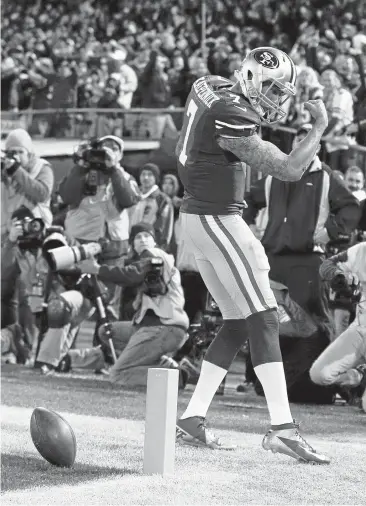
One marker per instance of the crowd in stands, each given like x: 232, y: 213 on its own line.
x: 129, y: 54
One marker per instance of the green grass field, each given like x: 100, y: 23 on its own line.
x: 109, y: 428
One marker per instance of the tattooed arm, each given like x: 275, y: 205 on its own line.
x: 266, y: 157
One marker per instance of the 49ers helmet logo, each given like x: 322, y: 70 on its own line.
x: 267, y: 59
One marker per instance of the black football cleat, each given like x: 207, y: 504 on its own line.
x: 286, y: 439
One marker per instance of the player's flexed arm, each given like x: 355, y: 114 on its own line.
x: 266, y: 157
x: 267, y: 78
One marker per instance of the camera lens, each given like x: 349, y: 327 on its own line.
x: 35, y: 226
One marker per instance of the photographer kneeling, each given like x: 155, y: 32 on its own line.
x: 160, y: 323
x: 54, y: 304
x: 343, y: 362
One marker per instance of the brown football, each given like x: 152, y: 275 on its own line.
x: 53, y: 437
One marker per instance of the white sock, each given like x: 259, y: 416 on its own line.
x: 209, y: 381
x: 272, y: 378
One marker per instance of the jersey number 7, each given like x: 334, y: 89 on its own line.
x: 191, y: 114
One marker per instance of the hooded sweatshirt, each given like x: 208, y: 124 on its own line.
x: 31, y: 187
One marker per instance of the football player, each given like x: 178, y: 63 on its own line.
x: 220, y: 131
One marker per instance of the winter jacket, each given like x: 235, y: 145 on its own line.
x: 303, y: 216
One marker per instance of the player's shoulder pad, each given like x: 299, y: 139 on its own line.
x: 234, y: 116
x: 207, y: 89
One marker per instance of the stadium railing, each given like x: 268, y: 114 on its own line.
x: 132, y: 124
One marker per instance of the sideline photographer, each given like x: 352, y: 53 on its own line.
x: 98, y: 192
x: 25, y: 180
x: 343, y: 362
x: 160, y: 323
x: 52, y: 305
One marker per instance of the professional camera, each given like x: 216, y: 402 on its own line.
x: 63, y: 257
x: 93, y: 158
x: 154, y: 283
x: 9, y: 161
x: 33, y: 233
x: 343, y: 294
x: 201, y: 335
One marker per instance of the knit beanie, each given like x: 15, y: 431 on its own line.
x: 21, y: 213
x: 19, y: 138
x: 152, y: 167
x: 141, y: 227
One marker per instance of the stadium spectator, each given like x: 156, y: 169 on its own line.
x: 308, y: 88
x: 170, y: 186
x: 110, y: 123
x: 155, y: 207
x: 96, y: 35
x: 127, y: 78
x: 339, y: 104
x: 354, y: 179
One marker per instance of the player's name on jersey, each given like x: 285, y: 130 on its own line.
x: 204, y: 92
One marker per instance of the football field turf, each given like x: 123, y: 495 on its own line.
x: 109, y: 428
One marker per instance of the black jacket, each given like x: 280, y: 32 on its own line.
x: 305, y: 213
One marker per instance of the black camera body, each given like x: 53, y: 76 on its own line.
x: 33, y: 233
x: 94, y: 159
x: 9, y: 163
x: 201, y: 335
x: 344, y: 295
x: 154, y: 283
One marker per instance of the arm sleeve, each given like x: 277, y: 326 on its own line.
x: 39, y: 189
x: 164, y: 224
x: 71, y: 188
x: 233, y: 120
x: 130, y: 275
x: 125, y: 194
x: 148, y: 71
x: 335, y: 265
x: 9, y: 265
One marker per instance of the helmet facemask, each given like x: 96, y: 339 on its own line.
x: 269, y: 110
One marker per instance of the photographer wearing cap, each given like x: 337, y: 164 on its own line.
x: 98, y: 192
x: 26, y: 180
x: 160, y: 323
x: 51, y: 305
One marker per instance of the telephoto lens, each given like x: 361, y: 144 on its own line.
x: 67, y: 256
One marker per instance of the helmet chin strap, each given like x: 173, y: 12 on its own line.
x: 254, y: 96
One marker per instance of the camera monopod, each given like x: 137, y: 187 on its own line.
x: 105, y: 323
